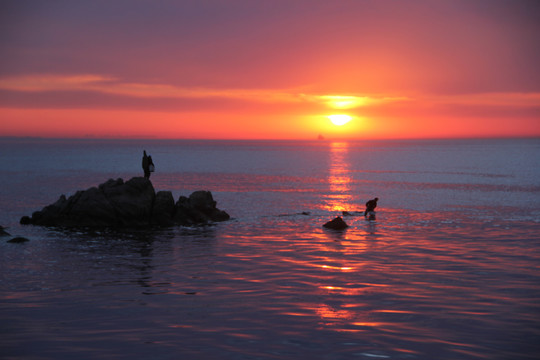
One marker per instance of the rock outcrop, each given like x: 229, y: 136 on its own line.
x: 336, y: 224
x: 133, y: 203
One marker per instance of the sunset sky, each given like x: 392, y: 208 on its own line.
x: 269, y: 69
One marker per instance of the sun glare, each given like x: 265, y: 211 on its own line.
x: 339, y: 120
x: 344, y: 102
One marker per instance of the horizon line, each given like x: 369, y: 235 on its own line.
x: 112, y: 138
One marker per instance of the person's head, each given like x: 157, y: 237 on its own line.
x: 144, y: 152
x: 376, y: 199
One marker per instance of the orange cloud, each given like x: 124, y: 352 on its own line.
x: 53, y: 82
x: 65, y: 106
x: 489, y: 99
x: 109, y: 85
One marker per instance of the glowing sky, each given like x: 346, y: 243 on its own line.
x: 269, y: 69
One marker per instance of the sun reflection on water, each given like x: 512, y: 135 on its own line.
x: 340, y: 197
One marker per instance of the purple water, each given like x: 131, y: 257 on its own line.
x: 448, y: 270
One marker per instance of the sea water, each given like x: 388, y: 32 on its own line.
x: 449, y: 269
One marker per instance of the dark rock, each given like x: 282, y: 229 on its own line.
x: 51, y: 212
x: 199, y: 208
x: 18, y: 240
x: 133, y: 203
x: 111, y: 184
x: 219, y: 215
x: 163, y: 211
x: 86, y: 208
x: 336, y: 224
x: 303, y: 213
x: 181, y: 211
x: 202, y: 200
x: 3, y: 231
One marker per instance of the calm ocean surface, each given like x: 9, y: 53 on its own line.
x: 450, y: 269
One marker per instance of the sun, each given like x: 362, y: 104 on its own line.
x: 339, y: 120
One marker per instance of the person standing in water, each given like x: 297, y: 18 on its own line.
x: 370, y: 206
x: 146, y: 165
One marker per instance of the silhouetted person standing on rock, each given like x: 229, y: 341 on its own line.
x: 370, y: 206
x: 151, y: 166
x: 146, y: 164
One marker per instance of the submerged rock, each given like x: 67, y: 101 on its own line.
x: 352, y: 213
x: 18, y: 240
x: 336, y: 224
x: 133, y: 203
x: 3, y: 231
